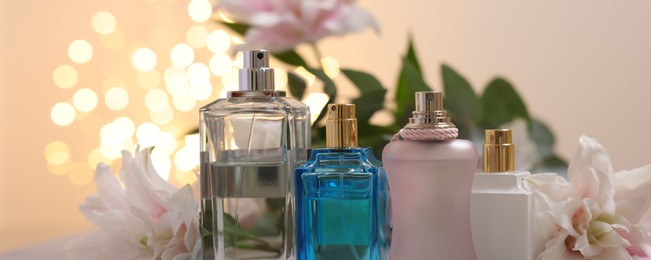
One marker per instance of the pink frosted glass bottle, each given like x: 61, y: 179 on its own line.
x: 430, y: 175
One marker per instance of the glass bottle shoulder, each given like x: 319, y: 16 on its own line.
x: 355, y: 160
x: 233, y: 105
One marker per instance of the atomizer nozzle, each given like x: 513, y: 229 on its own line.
x: 256, y: 75
x: 429, y: 112
x: 498, y: 151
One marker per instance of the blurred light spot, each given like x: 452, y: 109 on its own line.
x: 230, y: 81
x: 186, y: 159
x: 162, y: 163
x: 330, y: 66
x: 280, y: 78
x: 116, y: 98
x: 65, y: 76
x: 218, y: 41
x: 316, y: 101
x: 111, y: 135
x: 57, y: 152
x: 177, y: 85
x: 144, y: 59
x: 95, y: 157
x: 80, y: 51
x: 80, y: 173
x: 156, y: 100
x: 62, y: 114
x: 238, y: 62
x: 60, y: 169
x: 192, y: 141
x: 225, y: 18
x: 113, y: 41
x: 220, y: 64
x: 183, y: 102
x: 182, y: 55
x: 185, y: 177
x: 163, y: 117
x: 198, y: 71
x: 85, y: 100
x: 126, y: 126
x: 307, y: 76
x: 199, y: 10
x: 149, y: 79
x: 173, y: 71
x: 109, y: 151
x: 167, y: 143
x: 200, y: 89
x: 196, y: 36
x: 147, y: 134
x: 103, y: 23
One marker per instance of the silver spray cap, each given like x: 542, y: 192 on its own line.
x: 429, y: 111
x: 256, y: 75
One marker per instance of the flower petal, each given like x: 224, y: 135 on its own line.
x: 590, y: 172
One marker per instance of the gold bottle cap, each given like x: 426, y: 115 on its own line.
x: 498, y: 151
x: 341, y: 126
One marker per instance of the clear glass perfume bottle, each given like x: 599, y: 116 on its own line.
x: 342, y: 197
x: 430, y: 172
x: 501, y: 207
x: 251, y: 143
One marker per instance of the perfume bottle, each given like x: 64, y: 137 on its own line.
x: 501, y: 208
x: 430, y: 173
x: 251, y: 142
x: 342, y: 197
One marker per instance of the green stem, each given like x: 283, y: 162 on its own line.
x: 318, y: 55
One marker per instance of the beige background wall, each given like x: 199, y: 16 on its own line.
x: 582, y: 66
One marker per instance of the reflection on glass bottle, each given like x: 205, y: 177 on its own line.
x: 342, y: 197
x: 251, y: 143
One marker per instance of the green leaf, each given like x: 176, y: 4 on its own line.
x: 329, y: 88
x: 372, y: 93
x: 410, y: 81
x: 501, y: 103
x: 239, y: 28
x: 290, y: 57
x: 296, y: 85
x: 542, y: 136
x: 412, y: 57
x: 460, y: 99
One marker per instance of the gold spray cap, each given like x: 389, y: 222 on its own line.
x: 498, y: 151
x: 341, y: 126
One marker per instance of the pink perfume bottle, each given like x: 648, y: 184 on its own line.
x: 430, y: 175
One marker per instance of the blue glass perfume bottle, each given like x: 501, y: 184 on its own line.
x: 342, y: 197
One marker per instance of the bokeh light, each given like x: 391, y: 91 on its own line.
x: 199, y: 10
x: 144, y: 59
x: 162, y: 163
x: 196, y: 36
x: 156, y: 100
x: 162, y: 117
x: 148, y: 134
x: 116, y: 98
x: 65, y: 76
x: 200, y: 89
x: 80, y: 51
x: 183, y: 102
x: 218, y: 41
x: 85, y: 100
x: 103, y: 23
x: 182, y: 55
x: 94, y: 158
x: 57, y: 152
x: 60, y: 169
x: 63, y: 114
x: 114, y: 40
x: 198, y: 71
x: 316, y: 101
x: 220, y: 64
x: 330, y: 66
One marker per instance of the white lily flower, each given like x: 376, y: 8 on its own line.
x: 597, y: 214
x: 145, y: 218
